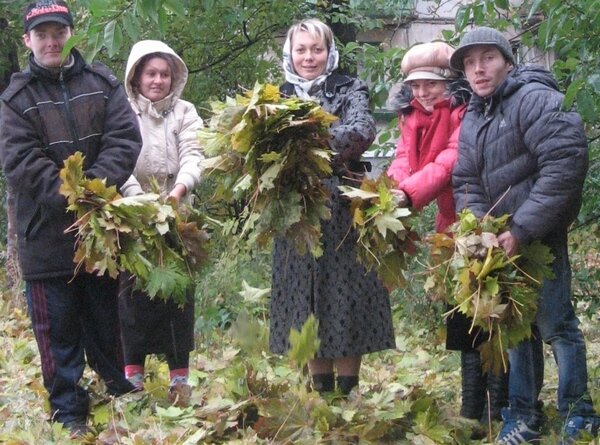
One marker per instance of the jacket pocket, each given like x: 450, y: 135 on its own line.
x: 33, y: 223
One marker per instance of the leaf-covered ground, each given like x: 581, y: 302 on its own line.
x: 243, y: 395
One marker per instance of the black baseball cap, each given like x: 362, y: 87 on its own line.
x: 44, y: 11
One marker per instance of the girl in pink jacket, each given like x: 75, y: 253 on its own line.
x: 427, y: 149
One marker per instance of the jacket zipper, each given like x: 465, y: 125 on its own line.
x: 480, y: 136
x: 70, y: 116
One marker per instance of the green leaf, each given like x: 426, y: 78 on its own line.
x: 535, y: 5
x: 73, y: 41
x: 463, y: 14
x: 586, y: 106
x: 168, y: 282
x: 594, y: 82
x: 251, y: 335
x: 175, y: 6
x: 113, y: 37
x: 491, y: 285
x: 163, y: 20
x: 131, y: 26
x: 385, y: 223
x: 253, y: 294
x: 267, y: 179
x: 571, y: 93
x: 148, y: 9
x: 304, y: 344
x: 535, y: 261
x: 352, y: 192
x: 99, y: 8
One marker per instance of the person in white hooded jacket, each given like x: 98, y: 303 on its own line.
x: 154, y: 80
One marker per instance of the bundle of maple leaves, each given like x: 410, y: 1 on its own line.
x: 383, y: 229
x: 498, y: 293
x: 143, y: 235
x: 271, y: 153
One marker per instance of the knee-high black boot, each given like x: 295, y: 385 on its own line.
x: 497, y: 397
x: 473, y: 385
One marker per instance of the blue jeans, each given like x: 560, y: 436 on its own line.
x: 557, y: 325
x: 73, y: 319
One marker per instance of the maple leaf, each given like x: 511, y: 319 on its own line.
x: 388, y: 222
x: 534, y: 261
x: 251, y: 335
x: 305, y: 343
x: 167, y: 280
x: 253, y: 294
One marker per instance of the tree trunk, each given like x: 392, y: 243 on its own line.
x: 8, y: 65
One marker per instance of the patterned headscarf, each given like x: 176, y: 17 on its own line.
x: 308, y: 89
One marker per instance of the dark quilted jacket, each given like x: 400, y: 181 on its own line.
x: 44, y: 118
x: 519, y: 153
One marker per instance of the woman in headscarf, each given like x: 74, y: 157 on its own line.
x: 352, y: 306
x: 154, y: 80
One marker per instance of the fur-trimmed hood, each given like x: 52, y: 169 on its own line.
x: 458, y: 90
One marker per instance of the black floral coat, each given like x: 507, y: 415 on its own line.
x: 351, y: 305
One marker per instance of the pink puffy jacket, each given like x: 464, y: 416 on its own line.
x: 425, y: 156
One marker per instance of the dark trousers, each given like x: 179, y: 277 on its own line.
x: 73, y: 319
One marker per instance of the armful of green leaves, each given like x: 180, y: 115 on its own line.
x: 384, y: 229
x: 499, y: 293
x: 271, y: 153
x: 143, y: 235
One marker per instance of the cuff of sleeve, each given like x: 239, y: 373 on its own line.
x: 187, y: 180
x: 520, y: 234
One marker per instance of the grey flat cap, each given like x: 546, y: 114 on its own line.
x: 481, y: 36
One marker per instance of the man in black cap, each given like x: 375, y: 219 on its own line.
x: 521, y: 154
x: 57, y: 106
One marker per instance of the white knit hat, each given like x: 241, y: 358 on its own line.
x: 428, y: 61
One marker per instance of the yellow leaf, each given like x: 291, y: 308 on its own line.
x: 271, y: 93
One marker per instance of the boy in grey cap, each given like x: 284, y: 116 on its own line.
x: 520, y: 154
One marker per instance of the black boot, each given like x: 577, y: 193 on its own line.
x: 497, y: 397
x: 473, y: 385
x: 345, y: 383
x: 323, y: 382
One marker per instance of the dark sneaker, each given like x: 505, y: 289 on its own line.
x: 515, y: 431
x: 579, y: 427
